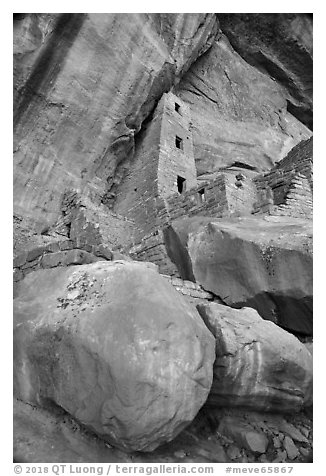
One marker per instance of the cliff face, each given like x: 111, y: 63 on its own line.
x: 159, y: 138
x: 279, y: 45
x: 84, y: 83
x: 239, y: 113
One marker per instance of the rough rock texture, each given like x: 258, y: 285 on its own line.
x: 239, y: 114
x: 259, y: 262
x: 243, y: 434
x: 280, y: 45
x: 115, y: 346
x: 258, y: 365
x: 83, y: 85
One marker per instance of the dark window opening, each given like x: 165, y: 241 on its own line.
x: 177, y: 107
x: 181, y: 182
x: 178, y: 142
x: 201, y: 195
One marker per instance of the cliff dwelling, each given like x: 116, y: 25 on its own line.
x: 162, y: 264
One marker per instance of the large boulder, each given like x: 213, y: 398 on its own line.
x: 259, y: 262
x: 258, y: 365
x: 114, y: 345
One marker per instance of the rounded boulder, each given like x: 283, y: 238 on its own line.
x: 114, y: 345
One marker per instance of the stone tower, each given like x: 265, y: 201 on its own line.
x: 176, y: 162
x: 163, y: 165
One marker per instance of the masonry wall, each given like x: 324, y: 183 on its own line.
x: 298, y: 202
x: 157, y: 163
x: 241, y: 194
x: 288, y: 187
x: 137, y: 195
x: 93, y: 223
x: 152, y: 248
x: 174, y: 161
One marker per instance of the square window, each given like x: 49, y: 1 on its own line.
x: 178, y: 142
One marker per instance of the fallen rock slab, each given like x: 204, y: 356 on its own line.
x: 242, y: 434
x: 115, y: 346
x: 258, y: 365
x: 290, y: 448
x: 259, y: 262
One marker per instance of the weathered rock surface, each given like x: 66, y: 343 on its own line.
x: 115, y: 346
x: 239, y: 114
x: 243, y: 434
x: 258, y: 365
x: 259, y: 262
x: 290, y: 448
x: 51, y: 436
x: 280, y: 45
x: 83, y: 85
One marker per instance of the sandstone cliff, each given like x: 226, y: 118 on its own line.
x: 85, y: 83
x: 163, y: 181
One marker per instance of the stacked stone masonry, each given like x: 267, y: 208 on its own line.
x: 193, y: 292
x: 60, y: 253
x: 93, y: 222
x: 163, y: 165
x: 152, y: 248
x: 287, y: 189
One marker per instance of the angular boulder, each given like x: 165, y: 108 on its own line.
x: 259, y: 262
x: 258, y: 365
x: 114, y: 345
x: 242, y: 433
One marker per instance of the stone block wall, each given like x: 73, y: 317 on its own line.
x: 93, y: 223
x: 176, y: 154
x: 60, y: 253
x: 218, y: 198
x: 193, y: 292
x: 288, y: 187
x: 137, y: 195
x: 152, y: 248
x: 241, y: 194
x: 213, y: 202
x: 298, y: 202
x: 156, y: 166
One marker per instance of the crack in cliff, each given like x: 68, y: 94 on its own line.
x: 165, y: 81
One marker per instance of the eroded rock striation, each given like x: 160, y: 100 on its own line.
x: 258, y: 365
x: 114, y: 345
x: 281, y: 46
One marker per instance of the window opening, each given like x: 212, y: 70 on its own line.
x: 178, y: 142
x: 201, y: 195
x: 177, y: 107
x: 181, y: 183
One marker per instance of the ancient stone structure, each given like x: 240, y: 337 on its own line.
x: 287, y: 188
x: 162, y: 186
x: 181, y: 141
x: 163, y: 165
